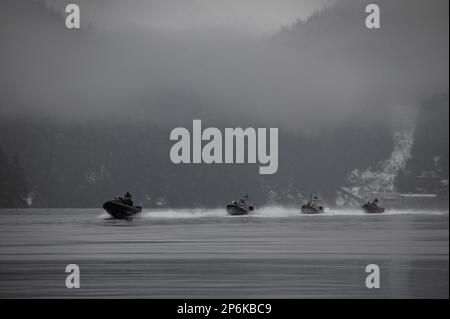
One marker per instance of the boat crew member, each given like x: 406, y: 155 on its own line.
x: 244, y: 200
x: 127, y: 199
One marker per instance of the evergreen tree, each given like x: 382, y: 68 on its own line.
x: 13, y: 188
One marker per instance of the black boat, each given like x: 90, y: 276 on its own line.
x: 372, y: 207
x: 312, y: 207
x: 240, y: 207
x: 121, y: 209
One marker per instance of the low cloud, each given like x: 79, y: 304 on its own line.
x: 311, y: 75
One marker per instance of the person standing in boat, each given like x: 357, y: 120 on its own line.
x: 128, y: 199
x: 244, y: 200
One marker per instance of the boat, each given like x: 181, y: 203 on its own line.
x: 240, y: 207
x: 372, y: 207
x: 121, y: 209
x: 312, y: 207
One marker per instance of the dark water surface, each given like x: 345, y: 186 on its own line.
x: 275, y: 253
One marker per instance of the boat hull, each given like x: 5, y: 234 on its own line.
x: 372, y: 209
x: 236, y: 210
x: 311, y: 210
x: 120, y: 210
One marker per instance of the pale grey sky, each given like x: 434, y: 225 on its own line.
x: 260, y: 17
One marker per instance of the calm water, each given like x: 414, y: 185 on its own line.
x: 204, y: 253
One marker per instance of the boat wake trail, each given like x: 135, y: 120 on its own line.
x: 268, y: 212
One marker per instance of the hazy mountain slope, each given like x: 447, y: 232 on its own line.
x: 90, y: 114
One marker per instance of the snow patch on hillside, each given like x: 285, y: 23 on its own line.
x: 381, y: 176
